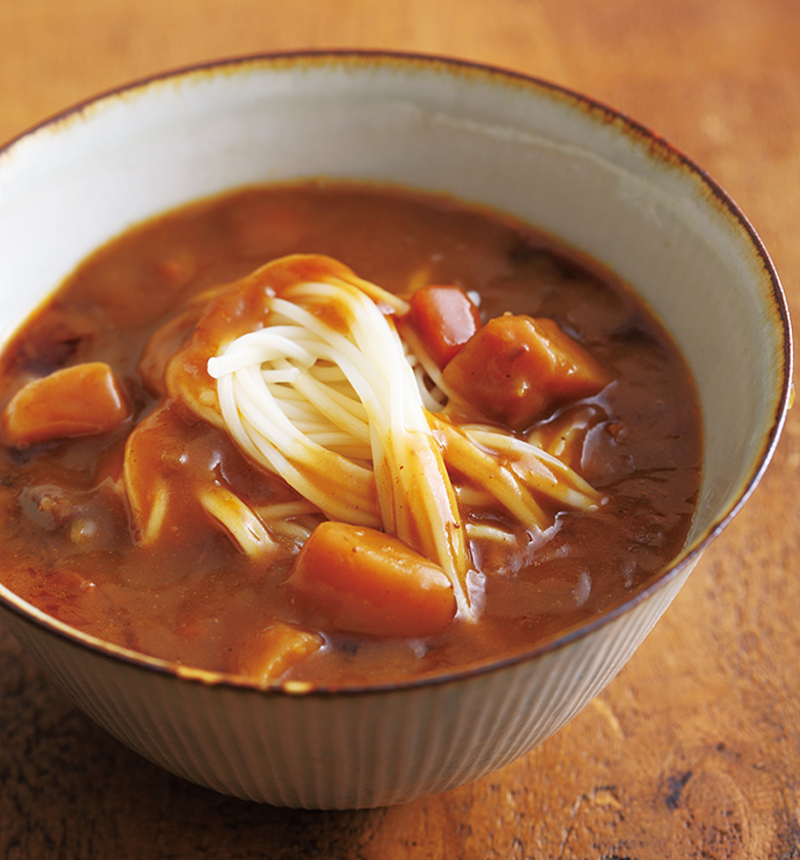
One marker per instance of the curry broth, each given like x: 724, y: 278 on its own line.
x: 68, y: 543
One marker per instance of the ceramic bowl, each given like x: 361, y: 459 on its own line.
x: 571, y: 166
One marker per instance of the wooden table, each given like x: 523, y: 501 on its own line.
x: 694, y: 750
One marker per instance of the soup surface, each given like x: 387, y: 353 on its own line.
x: 188, y: 589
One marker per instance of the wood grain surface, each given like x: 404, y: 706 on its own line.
x: 694, y: 750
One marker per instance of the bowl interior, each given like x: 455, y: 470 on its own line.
x: 565, y: 164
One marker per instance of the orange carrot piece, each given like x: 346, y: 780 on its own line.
x: 360, y: 580
x: 445, y: 318
x: 76, y: 401
x: 516, y: 368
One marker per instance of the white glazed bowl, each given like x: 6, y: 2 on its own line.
x: 573, y: 167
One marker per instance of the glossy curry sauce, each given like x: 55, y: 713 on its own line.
x: 68, y: 544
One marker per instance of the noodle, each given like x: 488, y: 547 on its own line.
x: 329, y: 396
x: 406, y: 491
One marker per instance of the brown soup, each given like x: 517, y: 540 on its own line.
x: 72, y: 545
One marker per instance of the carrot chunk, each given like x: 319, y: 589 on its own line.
x: 76, y: 401
x: 445, y: 318
x: 360, y: 580
x: 516, y: 368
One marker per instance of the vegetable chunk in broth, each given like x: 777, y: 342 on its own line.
x: 340, y: 434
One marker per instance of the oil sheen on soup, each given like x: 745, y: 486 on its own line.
x: 340, y: 434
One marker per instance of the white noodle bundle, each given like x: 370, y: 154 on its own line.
x: 328, y: 396
x: 339, y: 415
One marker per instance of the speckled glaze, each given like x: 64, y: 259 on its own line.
x: 570, y: 166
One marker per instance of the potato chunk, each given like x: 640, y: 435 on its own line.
x: 360, y: 580
x: 516, y: 368
x: 82, y: 400
x: 274, y: 650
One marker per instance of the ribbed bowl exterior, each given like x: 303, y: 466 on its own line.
x: 343, y: 750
